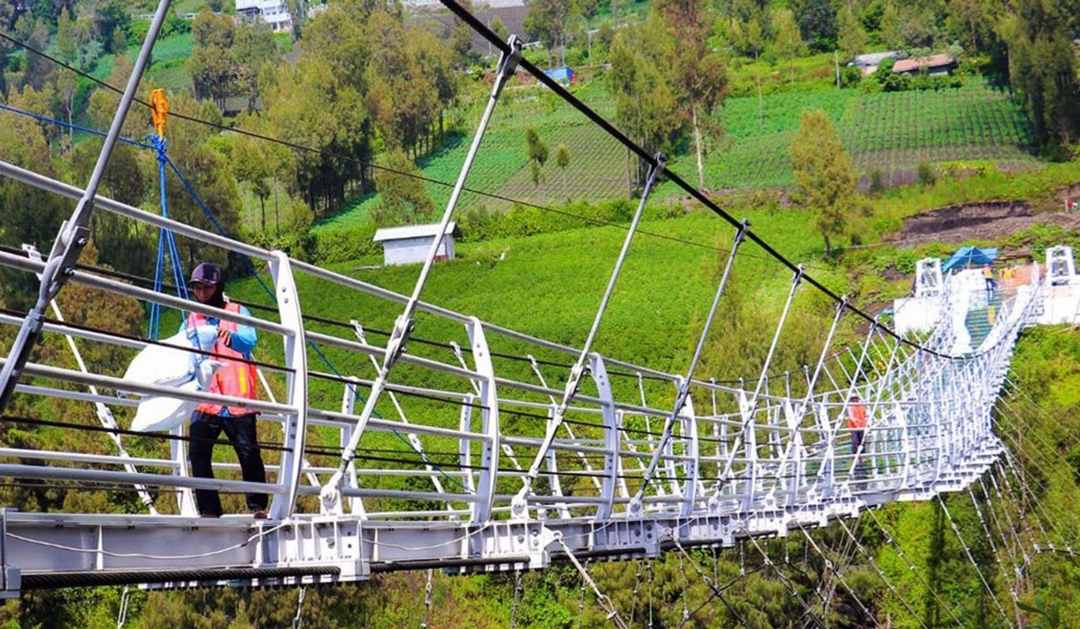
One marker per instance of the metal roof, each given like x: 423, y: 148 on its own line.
x: 875, y: 58
x: 933, y: 61
x: 411, y: 231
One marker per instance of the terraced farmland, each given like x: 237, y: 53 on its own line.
x: 890, y: 132
x: 887, y: 132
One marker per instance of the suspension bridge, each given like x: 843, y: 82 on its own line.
x: 503, y: 470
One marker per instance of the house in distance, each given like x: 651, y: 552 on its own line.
x: 934, y: 65
x: 409, y: 244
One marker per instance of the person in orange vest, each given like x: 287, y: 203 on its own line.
x: 856, y: 423
x: 232, y: 344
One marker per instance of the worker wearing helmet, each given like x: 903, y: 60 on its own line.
x: 231, y: 345
x: 856, y: 423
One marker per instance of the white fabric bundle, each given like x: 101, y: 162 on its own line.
x: 170, y: 367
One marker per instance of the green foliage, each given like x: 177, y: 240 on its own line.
x: 824, y: 174
x: 1042, y: 67
x: 552, y: 21
x: 341, y: 245
x: 404, y: 199
x: 817, y: 21
x: 537, y: 153
x: 646, y: 103
x: 852, y: 36
x: 926, y: 173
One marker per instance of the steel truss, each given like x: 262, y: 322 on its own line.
x: 727, y: 462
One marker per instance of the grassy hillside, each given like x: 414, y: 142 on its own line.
x: 540, y: 285
x: 549, y: 285
x: 887, y: 132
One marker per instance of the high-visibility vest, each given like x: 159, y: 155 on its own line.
x: 856, y: 416
x: 236, y: 376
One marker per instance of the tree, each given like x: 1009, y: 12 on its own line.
x: 499, y: 28
x: 1042, y: 67
x: 318, y: 102
x: 562, y: 158
x: 852, y: 36
x: 646, y: 106
x: 748, y: 38
x: 254, y: 49
x: 824, y: 175
x: 892, y: 29
x: 972, y: 22
x: 817, y: 22
x: 67, y: 43
x: 402, y: 95
x: 697, y: 73
x: 405, y: 200
x: 787, y: 42
x: 537, y: 153
x: 212, y: 64
x: 112, y: 21
x: 551, y: 22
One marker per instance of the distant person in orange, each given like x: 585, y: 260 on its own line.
x: 856, y: 423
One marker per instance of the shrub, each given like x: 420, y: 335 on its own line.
x: 927, y: 174
x: 850, y: 77
x: 343, y: 245
x: 877, y: 181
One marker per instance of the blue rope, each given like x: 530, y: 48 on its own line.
x: 314, y: 346
x: 155, y: 309
x: 67, y: 125
x: 167, y: 242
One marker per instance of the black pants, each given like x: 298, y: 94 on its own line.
x: 856, y: 447
x: 240, y: 430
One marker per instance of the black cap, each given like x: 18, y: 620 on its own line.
x: 206, y: 273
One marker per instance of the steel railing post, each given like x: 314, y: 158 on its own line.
x: 519, y: 504
x: 295, y: 425
x: 75, y: 232
x: 330, y: 497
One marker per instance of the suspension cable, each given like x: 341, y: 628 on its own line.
x: 785, y: 580
x: 971, y: 558
x: 717, y: 592
x: 914, y: 570
x: 880, y: 573
x: 604, y: 602
x: 839, y: 577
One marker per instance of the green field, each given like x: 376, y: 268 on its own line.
x: 549, y: 286
x: 887, y: 132
x: 168, y: 63
x: 501, y: 164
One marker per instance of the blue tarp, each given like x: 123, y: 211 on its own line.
x: 562, y: 75
x: 969, y: 256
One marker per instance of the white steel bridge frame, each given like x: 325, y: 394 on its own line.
x: 730, y: 461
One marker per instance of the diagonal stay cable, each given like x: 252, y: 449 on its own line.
x: 829, y: 565
x: 346, y: 158
x: 723, y: 588
x: 911, y: 566
x: 790, y: 585
x: 485, y: 32
x: 974, y: 564
x: 717, y: 592
x: 881, y: 574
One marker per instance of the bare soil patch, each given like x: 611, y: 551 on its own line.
x: 986, y: 220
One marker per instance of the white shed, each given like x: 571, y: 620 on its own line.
x: 410, y: 244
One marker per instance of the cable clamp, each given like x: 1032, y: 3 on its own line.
x: 509, y: 61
